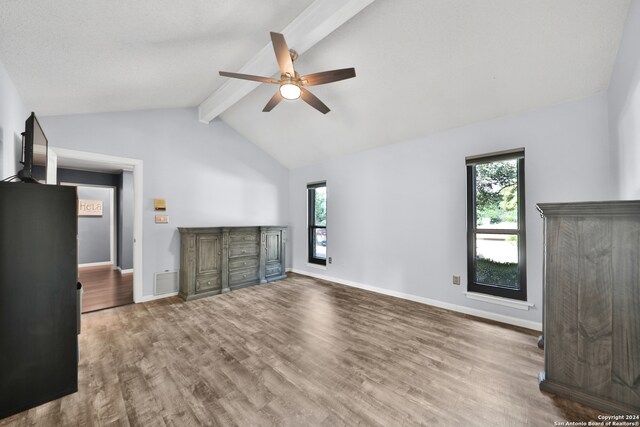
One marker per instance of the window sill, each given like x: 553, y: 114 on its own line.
x: 520, y: 305
x: 318, y: 266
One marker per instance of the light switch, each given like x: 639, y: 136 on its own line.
x: 162, y: 219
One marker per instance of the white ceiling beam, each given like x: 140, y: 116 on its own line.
x: 316, y: 22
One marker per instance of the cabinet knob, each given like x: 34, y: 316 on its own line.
x: 244, y: 252
x: 209, y: 282
x: 244, y: 263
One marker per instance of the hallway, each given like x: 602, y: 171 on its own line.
x: 105, y: 287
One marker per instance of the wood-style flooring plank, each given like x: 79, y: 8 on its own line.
x: 104, y: 287
x: 302, y: 351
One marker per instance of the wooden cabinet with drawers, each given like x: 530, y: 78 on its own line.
x: 591, y: 306
x: 244, y: 257
x: 215, y: 260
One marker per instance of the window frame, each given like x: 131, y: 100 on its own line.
x: 311, y: 225
x: 472, y: 230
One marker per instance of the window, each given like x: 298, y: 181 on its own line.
x: 317, y: 195
x: 496, y: 225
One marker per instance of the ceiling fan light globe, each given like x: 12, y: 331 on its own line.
x: 290, y: 91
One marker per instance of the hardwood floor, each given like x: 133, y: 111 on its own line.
x: 302, y: 352
x: 104, y: 287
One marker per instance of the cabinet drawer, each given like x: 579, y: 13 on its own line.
x: 206, y: 283
x: 243, y: 238
x: 274, y: 269
x: 240, y: 276
x: 243, y: 263
x: 243, y: 250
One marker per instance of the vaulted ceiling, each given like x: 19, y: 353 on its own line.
x: 70, y: 57
x: 422, y: 66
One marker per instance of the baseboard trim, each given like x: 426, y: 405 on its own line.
x: 127, y: 271
x: 536, y: 326
x: 95, y: 264
x: 147, y: 298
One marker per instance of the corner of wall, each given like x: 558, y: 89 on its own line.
x: 623, y: 103
x: 12, y: 114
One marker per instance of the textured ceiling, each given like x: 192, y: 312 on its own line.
x: 422, y: 65
x: 69, y: 57
x: 426, y: 66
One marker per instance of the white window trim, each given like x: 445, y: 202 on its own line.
x: 318, y: 266
x: 507, y: 302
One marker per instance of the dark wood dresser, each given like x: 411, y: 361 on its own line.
x: 591, y: 317
x: 215, y: 260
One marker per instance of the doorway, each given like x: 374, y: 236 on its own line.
x: 97, y: 224
x: 73, y: 159
x: 105, y: 242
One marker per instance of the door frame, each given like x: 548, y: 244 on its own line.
x: 127, y: 164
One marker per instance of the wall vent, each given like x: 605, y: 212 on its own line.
x: 165, y: 283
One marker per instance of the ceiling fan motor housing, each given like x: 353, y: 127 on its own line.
x: 291, y: 84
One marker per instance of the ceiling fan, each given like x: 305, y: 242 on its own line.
x: 292, y: 86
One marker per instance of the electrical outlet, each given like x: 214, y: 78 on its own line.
x: 456, y: 280
x: 330, y: 260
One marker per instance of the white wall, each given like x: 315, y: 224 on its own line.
x: 209, y: 175
x: 12, y: 117
x: 624, y: 108
x: 94, y: 232
x: 396, y: 215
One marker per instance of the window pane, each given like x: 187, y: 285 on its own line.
x: 320, y: 243
x: 497, y: 260
x: 497, y: 195
x: 320, y: 206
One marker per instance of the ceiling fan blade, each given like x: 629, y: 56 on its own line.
x: 282, y: 54
x: 249, y: 77
x: 275, y: 100
x: 328, y: 76
x: 313, y: 100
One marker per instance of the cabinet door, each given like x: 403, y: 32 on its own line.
x: 273, y: 243
x: 273, y: 253
x: 208, y: 254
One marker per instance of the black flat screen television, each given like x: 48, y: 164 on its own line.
x: 34, y: 149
